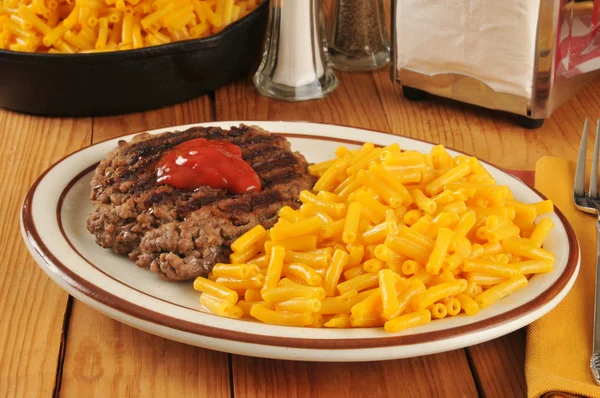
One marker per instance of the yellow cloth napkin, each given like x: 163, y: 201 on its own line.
x: 559, y: 345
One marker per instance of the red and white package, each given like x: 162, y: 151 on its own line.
x: 578, y: 49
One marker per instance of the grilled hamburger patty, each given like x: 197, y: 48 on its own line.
x: 181, y: 234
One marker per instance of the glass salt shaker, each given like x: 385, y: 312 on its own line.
x: 357, y: 35
x: 295, y: 65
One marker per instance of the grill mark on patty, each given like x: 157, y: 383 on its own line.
x: 256, y: 203
x: 285, y: 161
x: 161, y: 220
x: 198, y: 201
x: 278, y: 177
x: 258, y: 152
x: 162, y: 142
x: 259, y: 201
x: 237, y: 207
x: 159, y: 196
x: 260, y: 139
x: 141, y: 157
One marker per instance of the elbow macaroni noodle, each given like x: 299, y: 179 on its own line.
x: 84, y: 26
x: 387, y: 238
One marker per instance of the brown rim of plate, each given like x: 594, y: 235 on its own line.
x: 119, y: 304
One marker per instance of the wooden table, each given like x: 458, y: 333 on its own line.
x: 51, y: 344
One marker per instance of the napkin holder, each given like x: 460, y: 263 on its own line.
x: 565, y: 54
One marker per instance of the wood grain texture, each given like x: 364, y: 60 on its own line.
x: 491, y: 135
x: 355, y: 103
x: 499, y: 365
x: 194, y: 111
x: 32, y: 307
x: 106, y: 358
x: 427, y: 376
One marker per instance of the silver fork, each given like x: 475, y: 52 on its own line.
x: 590, y: 203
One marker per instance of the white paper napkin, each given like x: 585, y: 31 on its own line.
x: 490, y: 40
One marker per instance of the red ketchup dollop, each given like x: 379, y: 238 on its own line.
x: 199, y: 162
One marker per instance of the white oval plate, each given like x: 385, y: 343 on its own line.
x: 53, y: 223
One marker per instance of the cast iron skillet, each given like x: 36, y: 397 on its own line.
x: 133, y: 80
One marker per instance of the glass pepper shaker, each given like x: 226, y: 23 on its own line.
x: 357, y: 36
x: 295, y: 65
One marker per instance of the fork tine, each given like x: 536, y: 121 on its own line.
x: 579, y: 187
x: 594, y: 173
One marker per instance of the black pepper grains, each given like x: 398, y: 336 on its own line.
x: 357, y: 37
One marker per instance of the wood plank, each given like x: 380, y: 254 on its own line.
x: 356, y: 103
x: 491, y: 135
x: 194, y: 111
x: 105, y: 358
x: 32, y: 307
x: 499, y: 365
x: 427, y: 376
